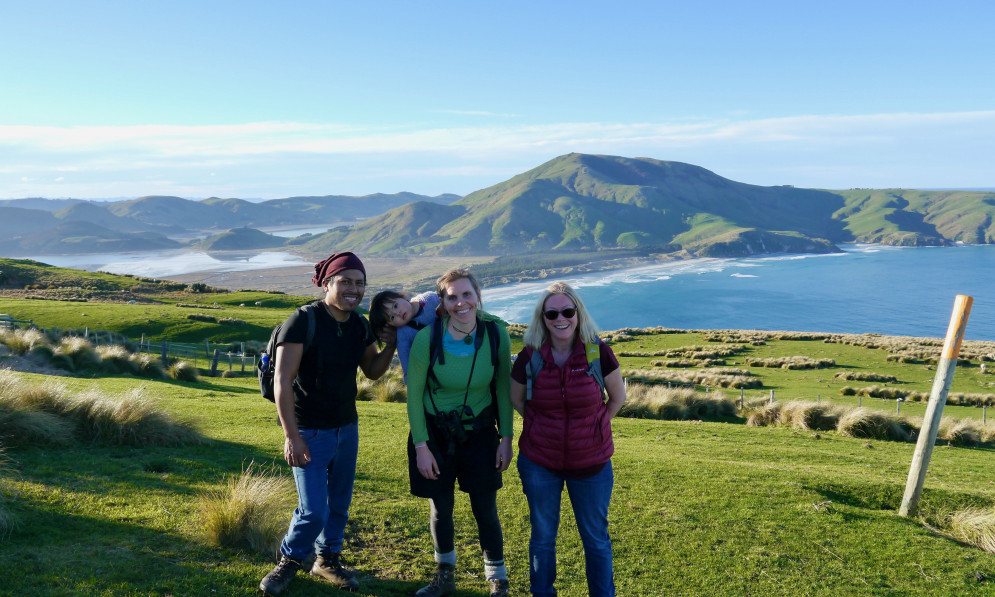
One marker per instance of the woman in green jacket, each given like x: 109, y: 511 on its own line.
x: 452, y: 409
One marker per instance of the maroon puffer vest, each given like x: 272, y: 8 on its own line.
x: 566, y: 426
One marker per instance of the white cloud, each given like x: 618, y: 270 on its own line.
x: 269, y: 158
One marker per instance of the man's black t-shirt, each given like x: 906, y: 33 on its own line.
x: 325, y: 388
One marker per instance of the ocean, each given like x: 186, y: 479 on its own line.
x: 868, y: 288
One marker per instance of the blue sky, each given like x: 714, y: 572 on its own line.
x: 275, y: 99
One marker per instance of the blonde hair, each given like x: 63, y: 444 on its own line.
x: 537, y: 334
x: 451, y: 276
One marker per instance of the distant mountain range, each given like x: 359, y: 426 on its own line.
x: 37, y: 225
x: 573, y: 203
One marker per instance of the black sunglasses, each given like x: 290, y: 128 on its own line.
x: 553, y: 313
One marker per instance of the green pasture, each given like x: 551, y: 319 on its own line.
x: 698, y: 509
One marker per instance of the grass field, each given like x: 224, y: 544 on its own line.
x: 699, y: 508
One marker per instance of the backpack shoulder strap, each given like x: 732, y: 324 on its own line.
x: 593, y: 351
x: 312, y: 324
x: 492, y: 336
x: 532, y: 371
x: 435, y: 352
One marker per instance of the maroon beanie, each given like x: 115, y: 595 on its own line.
x: 336, y: 263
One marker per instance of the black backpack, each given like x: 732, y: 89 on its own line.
x: 266, y: 367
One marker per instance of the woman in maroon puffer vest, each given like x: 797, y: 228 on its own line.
x: 566, y: 439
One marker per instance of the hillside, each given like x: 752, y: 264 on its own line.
x: 113, y: 224
x: 583, y: 202
x: 241, y: 239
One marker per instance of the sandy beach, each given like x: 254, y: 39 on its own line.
x: 410, y: 273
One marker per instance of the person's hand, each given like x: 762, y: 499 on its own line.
x: 503, y: 458
x: 388, y: 335
x: 427, y: 465
x: 295, y: 451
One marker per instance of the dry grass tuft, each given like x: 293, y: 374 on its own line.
x: 810, y: 416
x: 960, y: 432
x: 80, y: 353
x: 674, y: 404
x: 872, y: 424
x: 53, y: 414
x: 183, y: 371
x: 764, y: 415
x: 21, y: 341
x: 149, y: 366
x: 974, y: 527
x: 389, y: 390
x: 248, y: 511
x: 117, y: 359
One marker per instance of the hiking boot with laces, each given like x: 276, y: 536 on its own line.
x: 444, y: 583
x: 330, y: 568
x: 499, y: 588
x: 280, y: 576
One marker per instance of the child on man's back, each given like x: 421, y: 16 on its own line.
x: 407, y: 315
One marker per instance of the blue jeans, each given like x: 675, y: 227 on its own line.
x: 324, y: 491
x: 589, y: 498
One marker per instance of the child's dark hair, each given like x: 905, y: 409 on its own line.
x: 378, y: 309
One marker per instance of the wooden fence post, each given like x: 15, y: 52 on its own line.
x: 214, y: 363
x: 165, y: 352
x: 934, y: 409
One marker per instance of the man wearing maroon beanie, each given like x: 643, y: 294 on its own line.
x: 316, y: 401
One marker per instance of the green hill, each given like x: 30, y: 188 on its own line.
x: 583, y: 202
x: 580, y: 203
x: 242, y: 239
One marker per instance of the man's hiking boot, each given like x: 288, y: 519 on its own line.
x: 280, y: 576
x: 330, y: 568
x: 499, y: 588
x: 444, y: 583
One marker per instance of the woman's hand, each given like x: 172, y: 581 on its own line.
x: 295, y: 451
x: 427, y: 465
x: 503, y: 458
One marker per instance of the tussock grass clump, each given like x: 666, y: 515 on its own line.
x: 871, y: 424
x: 764, y: 415
x: 80, y: 353
x: 718, y: 378
x: 865, y: 376
x: 130, y: 419
x: 149, y: 366
x: 688, y: 352
x: 974, y: 526
x: 851, y: 422
x: 797, y: 362
x: 21, y: 341
x: 116, y: 359
x: 389, y: 388
x: 53, y: 414
x: 810, y: 416
x: 889, y: 393
x: 202, y: 317
x: 688, y: 363
x: 248, y: 511
x: 183, y: 371
x: 232, y: 321
x: 675, y: 404
x: 960, y: 432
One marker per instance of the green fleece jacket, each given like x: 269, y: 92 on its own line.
x: 453, y: 377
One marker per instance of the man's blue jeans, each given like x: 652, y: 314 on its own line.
x: 324, y: 490
x: 589, y: 498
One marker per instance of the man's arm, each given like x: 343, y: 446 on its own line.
x: 375, y: 363
x: 288, y: 361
